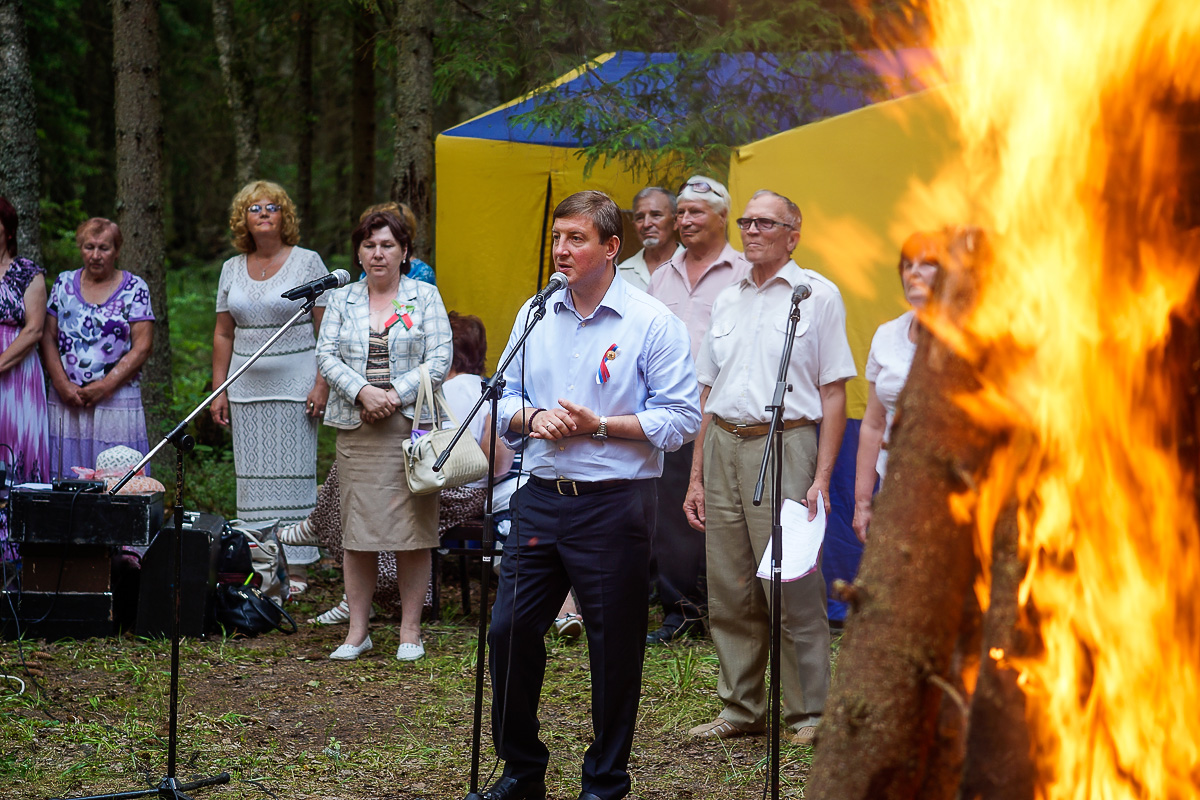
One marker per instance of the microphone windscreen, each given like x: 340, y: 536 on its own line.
x: 343, y: 277
x: 801, y: 293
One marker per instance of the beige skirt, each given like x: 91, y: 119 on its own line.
x: 378, y: 510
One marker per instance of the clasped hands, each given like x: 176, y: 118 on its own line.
x: 569, y: 420
x: 377, y: 403
x: 86, y: 396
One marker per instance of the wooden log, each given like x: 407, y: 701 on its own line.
x: 999, y: 764
x: 897, y: 655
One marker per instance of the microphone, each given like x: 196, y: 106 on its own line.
x: 334, y: 280
x: 801, y: 293
x: 557, y: 281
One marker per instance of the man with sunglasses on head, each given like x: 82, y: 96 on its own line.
x: 738, y: 367
x: 688, y: 284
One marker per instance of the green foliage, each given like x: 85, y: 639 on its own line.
x: 670, y: 117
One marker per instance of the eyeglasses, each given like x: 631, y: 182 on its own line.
x: 271, y: 207
x: 703, y: 187
x: 764, y: 225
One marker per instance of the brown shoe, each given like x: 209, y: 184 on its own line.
x: 805, y: 735
x: 719, y: 728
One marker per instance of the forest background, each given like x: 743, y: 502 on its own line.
x: 155, y: 113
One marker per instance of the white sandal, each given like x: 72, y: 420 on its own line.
x: 298, y: 534
x: 338, y: 615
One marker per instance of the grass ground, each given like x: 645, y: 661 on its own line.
x: 286, y: 722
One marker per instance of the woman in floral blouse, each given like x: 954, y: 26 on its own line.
x: 99, y: 330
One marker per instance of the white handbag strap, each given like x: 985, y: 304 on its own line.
x: 438, y: 406
x: 423, y: 386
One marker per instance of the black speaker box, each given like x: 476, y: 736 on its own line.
x: 198, y: 577
x: 55, y: 615
x: 64, y: 592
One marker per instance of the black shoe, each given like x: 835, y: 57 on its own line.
x: 668, y: 635
x: 587, y: 796
x: 513, y: 789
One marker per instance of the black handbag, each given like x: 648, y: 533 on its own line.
x: 245, y: 611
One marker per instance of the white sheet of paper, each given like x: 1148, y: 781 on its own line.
x: 802, y: 542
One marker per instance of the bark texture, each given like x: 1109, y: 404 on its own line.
x: 20, y: 177
x: 307, y: 114
x: 998, y: 761
x: 239, y: 89
x: 897, y: 666
x: 139, y: 184
x: 362, y: 117
x: 412, y: 164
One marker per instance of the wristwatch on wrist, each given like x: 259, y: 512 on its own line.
x: 602, y: 432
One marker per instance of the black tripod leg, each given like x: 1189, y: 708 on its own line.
x: 167, y: 787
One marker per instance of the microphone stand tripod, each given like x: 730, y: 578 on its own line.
x: 491, y: 393
x: 169, y: 787
x: 775, y: 439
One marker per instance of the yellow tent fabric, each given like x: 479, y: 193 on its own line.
x: 491, y: 202
x: 849, y: 175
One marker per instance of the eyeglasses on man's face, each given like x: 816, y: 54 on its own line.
x: 763, y: 224
x: 271, y: 207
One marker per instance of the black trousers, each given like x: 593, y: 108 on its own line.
x: 678, y: 548
x: 600, y: 545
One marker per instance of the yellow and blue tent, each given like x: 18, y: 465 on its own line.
x: 847, y: 156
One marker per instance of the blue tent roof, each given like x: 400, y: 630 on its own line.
x: 646, y: 85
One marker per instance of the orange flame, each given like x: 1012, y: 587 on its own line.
x: 1073, y: 155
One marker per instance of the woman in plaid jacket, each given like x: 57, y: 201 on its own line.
x: 375, y: 336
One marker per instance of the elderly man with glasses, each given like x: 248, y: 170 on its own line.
x: 688, y: 284
x: 737, y: 369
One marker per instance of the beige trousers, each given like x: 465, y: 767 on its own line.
x: 739, y: 603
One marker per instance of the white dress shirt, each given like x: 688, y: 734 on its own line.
x: 636, y: 271
x: 652, y: 376
x: 740, y: 355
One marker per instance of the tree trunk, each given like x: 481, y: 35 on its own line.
x: 412, y: 164
x: 999, y: 764
x: 239, y: 89
x: 362, y: 117
x: 139, y: 184
x: 308, y: 116
x: 881, y: 737
x: 20, y: 176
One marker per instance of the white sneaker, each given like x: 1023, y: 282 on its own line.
x: 569, y: 626
x: 410, y: 652
x: 349, y: 652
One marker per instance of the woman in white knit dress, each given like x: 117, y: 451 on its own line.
x: 275, y: 406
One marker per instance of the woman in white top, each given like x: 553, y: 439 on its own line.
x: 892, y: 351
x: 274, y: 407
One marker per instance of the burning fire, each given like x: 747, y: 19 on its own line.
x: 1074, y: 117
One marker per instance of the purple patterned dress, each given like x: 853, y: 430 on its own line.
x: 92, y: 338
x: 22, y: 394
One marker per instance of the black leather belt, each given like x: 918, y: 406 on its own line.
x: 570, y: 488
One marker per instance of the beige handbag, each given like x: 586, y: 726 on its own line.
x: 466, y: 464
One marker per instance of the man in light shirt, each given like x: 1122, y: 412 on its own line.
x: 654, y: 218
x: 737, y: 367
x: 602, y: 387
x: 688, y: 284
